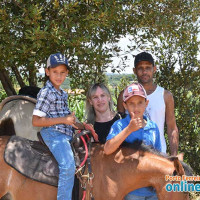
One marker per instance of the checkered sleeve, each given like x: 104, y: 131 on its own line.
x: 44, y: 100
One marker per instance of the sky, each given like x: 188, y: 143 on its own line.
x: 129, y: 63
x: 129, y: 67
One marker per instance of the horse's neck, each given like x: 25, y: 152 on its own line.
x: 161, y: 167
x: 145, y: 169
x: 135, y: 169
x: 158, y: 168
x: 127, y: 170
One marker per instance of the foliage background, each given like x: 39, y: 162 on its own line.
x: 88, y: 31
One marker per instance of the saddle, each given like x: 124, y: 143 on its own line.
x: 34, y: 160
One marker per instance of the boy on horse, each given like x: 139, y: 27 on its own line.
x: 52, y: 113
x: 135, y: 126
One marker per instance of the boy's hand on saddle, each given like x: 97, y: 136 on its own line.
x: 71, y: 120
x: 135, y: 123
x: 90, y: 128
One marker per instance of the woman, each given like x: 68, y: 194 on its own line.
x: 99, y: 110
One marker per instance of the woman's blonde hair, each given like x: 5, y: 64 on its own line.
x: 89, y: 111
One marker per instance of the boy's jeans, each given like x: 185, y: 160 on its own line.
x: 133, y: 197
x: 59, y: 145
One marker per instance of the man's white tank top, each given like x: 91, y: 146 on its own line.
x: 156, y: 112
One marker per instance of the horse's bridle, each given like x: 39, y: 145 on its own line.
x: 85, y: 176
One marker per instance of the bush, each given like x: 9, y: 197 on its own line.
x: 77, y: 104
x: 2, y: 94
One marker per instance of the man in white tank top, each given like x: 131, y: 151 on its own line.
x: 161, y: 103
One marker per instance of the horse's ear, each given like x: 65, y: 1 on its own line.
x: 178, y: 166
x: 180, y: 156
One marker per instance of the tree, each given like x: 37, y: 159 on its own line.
x: 32, y: 30
x: 179, y: 72
x: 175, y: 43
x: 86, y: 31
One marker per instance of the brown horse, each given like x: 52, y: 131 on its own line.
x: 114, y: 176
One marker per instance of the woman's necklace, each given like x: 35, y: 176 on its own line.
x: 105, y: 117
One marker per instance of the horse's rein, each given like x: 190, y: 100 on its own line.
x: 86, y: 179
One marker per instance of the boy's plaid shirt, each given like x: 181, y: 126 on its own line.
x: 52, y: 103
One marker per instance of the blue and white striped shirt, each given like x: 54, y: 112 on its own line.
x: 52, y: 103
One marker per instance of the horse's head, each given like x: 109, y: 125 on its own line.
x: 159, y: 165
x: 175, y: 192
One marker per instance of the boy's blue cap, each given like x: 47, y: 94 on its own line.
x: 57, y: 59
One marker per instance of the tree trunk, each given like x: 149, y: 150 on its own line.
x: 18, y: 76
x: 32, y: 77
x: 7, y: 85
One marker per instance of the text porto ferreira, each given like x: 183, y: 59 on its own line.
x: 182, y: 183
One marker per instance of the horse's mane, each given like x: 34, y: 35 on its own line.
x: 7, y: 127
x: 138, y: 145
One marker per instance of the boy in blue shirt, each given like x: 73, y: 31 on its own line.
x: 52, y: 113
x: 135, y: 126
